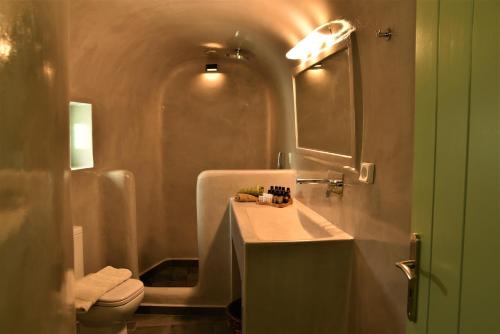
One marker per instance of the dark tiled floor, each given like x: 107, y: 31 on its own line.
x: 167, y: 320
x: 179, y: 324
x: 172, y: 273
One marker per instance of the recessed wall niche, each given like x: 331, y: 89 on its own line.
x: 80, y: 129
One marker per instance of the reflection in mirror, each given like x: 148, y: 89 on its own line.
x: 324, y: 110
x: 324, y: 102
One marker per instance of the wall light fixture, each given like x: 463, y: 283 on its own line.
x: 321, y: 38
x: 209, y: 68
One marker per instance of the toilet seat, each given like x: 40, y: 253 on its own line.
x: 121, y: 294
x: 110, y: 313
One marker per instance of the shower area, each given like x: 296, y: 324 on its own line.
x: 159, y: 115
x: 219, y: 120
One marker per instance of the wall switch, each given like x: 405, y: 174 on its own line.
x: 366, y: 172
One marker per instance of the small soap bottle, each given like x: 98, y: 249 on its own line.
x: 280, y: 197
x: 286, y: 198
x: 269, y: 195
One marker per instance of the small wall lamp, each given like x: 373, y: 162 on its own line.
x: 211, y: 68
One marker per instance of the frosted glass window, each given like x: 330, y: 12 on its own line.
x: 80, y: 129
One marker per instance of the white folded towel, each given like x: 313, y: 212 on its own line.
x: 91, y: 287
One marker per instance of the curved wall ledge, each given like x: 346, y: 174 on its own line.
x: 214, y: 188
x: 104, y: 204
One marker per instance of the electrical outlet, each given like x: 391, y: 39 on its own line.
x: 367, y: 172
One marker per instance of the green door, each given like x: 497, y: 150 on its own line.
x: 456, y: 191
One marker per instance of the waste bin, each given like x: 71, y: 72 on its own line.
x: 233, y: 311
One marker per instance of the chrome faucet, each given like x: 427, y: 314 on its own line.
x: 335, y: 186
x: 279, y: 164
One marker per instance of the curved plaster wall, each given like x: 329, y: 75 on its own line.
x: 378, y: 215
x: 104, y: 205
x: 210, y: 121
x: 123, y: 58
x: 35, y: 229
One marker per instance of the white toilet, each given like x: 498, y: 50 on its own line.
x: 109, y: 315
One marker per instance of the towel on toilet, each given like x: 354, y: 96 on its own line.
x: 91, y: 287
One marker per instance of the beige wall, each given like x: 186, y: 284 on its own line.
x: 156, y: 114
x: 378, y: 215
x: 113, y: 74
x: 210, y: 121
x: 35, y: 230
x: 104, y: 205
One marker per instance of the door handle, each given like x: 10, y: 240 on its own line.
x: 410, y: 269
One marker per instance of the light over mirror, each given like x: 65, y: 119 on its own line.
x: 324, y: 107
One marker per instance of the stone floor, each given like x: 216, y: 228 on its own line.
x: 175, y: 320
x: 178, y: 324
x: 172, y: 273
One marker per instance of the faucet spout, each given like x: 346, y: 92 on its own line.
x: 335, y: 186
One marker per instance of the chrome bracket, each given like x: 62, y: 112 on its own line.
x: 385, y: 34
x: 410, y: 269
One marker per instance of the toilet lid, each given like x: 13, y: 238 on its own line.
x: 121, y: 294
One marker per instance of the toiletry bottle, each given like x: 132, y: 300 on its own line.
x: 280, y: 197
x: 286, y: 197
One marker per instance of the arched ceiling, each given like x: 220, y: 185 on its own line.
x: 179, y: 29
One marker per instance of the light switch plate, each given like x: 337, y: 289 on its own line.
x: 367, y: 172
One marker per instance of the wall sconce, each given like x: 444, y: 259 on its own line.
x: 5, y: 48
x: 211, y: 68
x: 317, y: 66
x: 320, y: 39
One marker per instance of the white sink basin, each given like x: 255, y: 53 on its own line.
x: 295, y: 223
x: 286, y: 224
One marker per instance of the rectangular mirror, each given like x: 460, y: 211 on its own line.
x: 324, y: 107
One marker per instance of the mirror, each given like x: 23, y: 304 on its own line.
x: 324, y: 106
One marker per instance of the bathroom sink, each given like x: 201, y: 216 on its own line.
x: 286, y: 224
x: 295, y: 223
x: 291, y: 261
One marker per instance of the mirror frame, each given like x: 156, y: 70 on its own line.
x: 346, y: 162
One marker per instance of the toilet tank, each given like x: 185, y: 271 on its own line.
x: 78, y: 251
